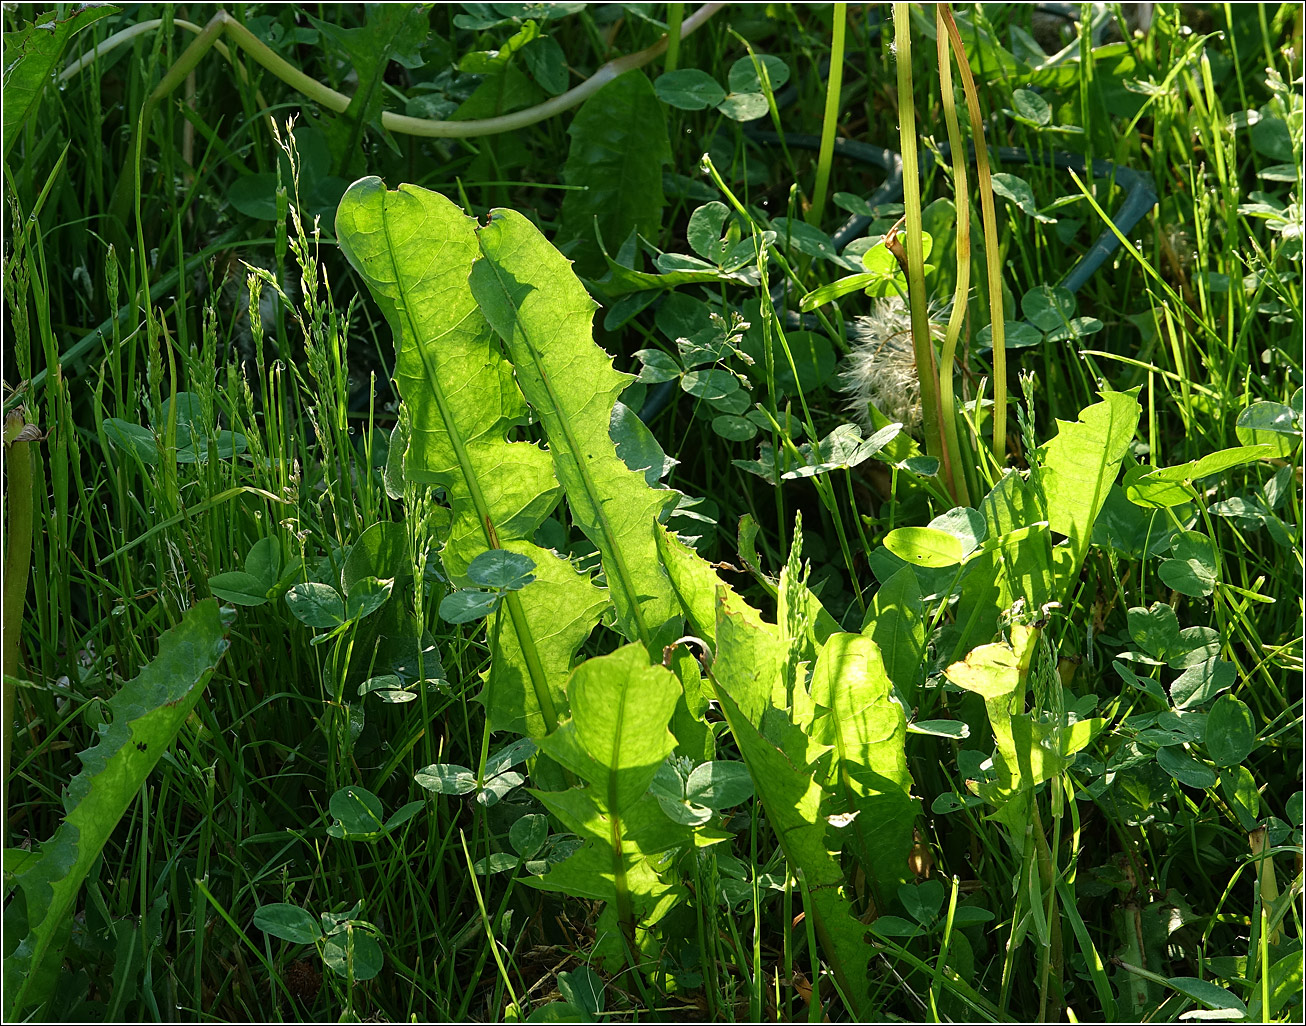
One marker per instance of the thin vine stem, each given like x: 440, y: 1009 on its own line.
x: 223, y: 24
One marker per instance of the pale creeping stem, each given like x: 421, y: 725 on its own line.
x: 223, y: 24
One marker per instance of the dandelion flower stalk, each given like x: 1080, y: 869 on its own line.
x: 993, y: 257
x: 915, y: 250
x: 962, y: 291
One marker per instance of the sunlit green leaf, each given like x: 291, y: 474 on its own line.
x: 615, y: 742
x: 1192, y: 570
x: 1079, y: 466
x: 925, y: 546
x: 461, y: 398
x: 530, y: 295
x: 792, y: 800
x: 858, y: 716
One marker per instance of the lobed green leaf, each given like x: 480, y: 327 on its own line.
x: 529, y: 293
x: 143, y: 718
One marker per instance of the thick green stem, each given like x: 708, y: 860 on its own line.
x: 675, y: 15
x: 992, y: 256
x: 539, y: 681
x: 833, y: 88
x: 926, y: 369
x: 961, y: 293
x: 18, y: 561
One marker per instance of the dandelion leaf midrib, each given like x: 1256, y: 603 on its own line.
x: 533, y: 299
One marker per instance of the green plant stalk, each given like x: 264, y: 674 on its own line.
x: 961, y: 294
x: 110, y: 324
x: 218, y: 907
x: 1267, y: 886
x: 942, y: 960
x: 755, y: 978
x: 615, y: 740
x: 787, y: 916
x: 923, y: 347
x: 1263, y: 943
x: 174, y: 77
x: 203, y: 507
x: 814, y: 1003
x: 824, y: 488
x: 1092, y: 958
x: 18, y: 564
x: 1050, y: 956
x: 791, y: 799
x: 675, y: 18
x: 992, y: 255
x: 1190, y: 315
x: 485, y: 921
x: 772, y: 323
x: 485, y: 734
x: 1020, y: 915
x: 223, y: 23
x: 620, y: 883
x: 52, y: 552
x: 833, y: 89
x: 768, y: 350
x: 703, y: 909
x: 765, y: 79
x: 814, y: 1010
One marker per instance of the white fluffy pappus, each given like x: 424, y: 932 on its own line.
x: 880, y: 370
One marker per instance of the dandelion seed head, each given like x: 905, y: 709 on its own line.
x: 881, y: 369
